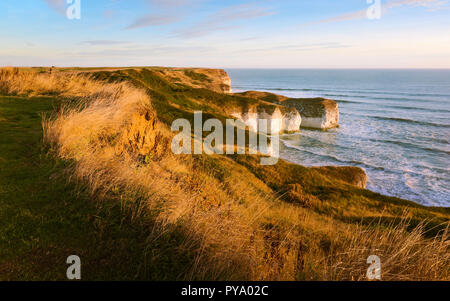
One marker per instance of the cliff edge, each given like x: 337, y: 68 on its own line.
x: 216, y: 80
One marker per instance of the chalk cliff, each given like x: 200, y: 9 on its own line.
x: 279, y: 119
x: 319, y: 113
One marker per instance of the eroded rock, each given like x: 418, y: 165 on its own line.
x: 279, y: 119
x: 318, y: 113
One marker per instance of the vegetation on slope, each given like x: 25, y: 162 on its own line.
x: 45, y: 218
x: 215, y: 217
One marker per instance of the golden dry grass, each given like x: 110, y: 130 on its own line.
x: 404, y: 253
x: 234, y: 224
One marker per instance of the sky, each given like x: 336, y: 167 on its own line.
x: 226, y: 33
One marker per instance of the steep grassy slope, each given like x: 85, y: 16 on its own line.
x: 45, y: 218
x: 213, y: 217
x: 172, y: 101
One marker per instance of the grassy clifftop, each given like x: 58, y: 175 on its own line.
x: 192, y: 217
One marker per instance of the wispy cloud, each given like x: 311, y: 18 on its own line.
x: 146, y: 51
x: 224, y: 19
x: 294, y: 48
x: 57, y: 5
x: 153, y: 20
x: 104, y: 42
x: 172, y: 3
x: 362, y: 14
x: 108, y: 13
x: 167, y: 12
x: 425, y: 3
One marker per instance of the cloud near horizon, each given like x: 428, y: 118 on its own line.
x: 147, y: 51
x: 153, y: 20
x: 104, y: 42
x: 362, y: 14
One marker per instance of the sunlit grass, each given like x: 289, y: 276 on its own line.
x: 224, y: 217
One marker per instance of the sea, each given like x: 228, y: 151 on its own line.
x: 395, y: 124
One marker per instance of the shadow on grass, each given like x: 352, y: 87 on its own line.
x: 44, y: 218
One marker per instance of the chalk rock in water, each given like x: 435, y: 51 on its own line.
x: 319, y: 113
x: 270, y: 119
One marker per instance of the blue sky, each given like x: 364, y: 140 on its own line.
x: 227, y: 33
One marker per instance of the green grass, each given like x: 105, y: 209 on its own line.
x: 197, y: 76
x: 345, y: 202
x: 44, y: 218
x: 172, y: 101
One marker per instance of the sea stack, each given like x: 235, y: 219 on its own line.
x: 317, y: 113
x: 279, y: 119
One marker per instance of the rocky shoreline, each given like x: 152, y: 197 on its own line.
x: 290, y: 115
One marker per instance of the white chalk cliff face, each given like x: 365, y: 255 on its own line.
x: 292, y: 122
x: 319, y: 113
x: 226, y: 83
x: 328, y: 119
x: 275, y: 122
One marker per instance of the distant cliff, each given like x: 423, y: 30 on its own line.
x: 213, y: 79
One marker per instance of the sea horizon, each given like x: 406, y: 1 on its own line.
x: 226, y: 68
